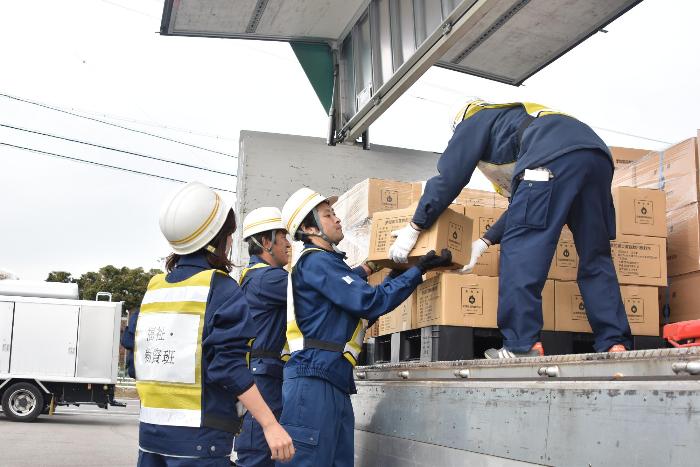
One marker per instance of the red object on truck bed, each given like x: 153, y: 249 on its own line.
x: 683, y: 334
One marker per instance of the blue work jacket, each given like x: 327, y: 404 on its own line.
x: 494, y: 136
x: 228, y: 328
x: 329, y: 299
x: 265, y: 289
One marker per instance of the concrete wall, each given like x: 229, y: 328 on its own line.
x: 273, y: 166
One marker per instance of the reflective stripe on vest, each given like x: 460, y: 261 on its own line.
x: 168, y: 350
x: 284, y: 354
x: 245, y: 271
x: 295, y: 338
x: 501, y: 175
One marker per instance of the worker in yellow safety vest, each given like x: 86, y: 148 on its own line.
x: 192, y: 342
x: 264, y: 284
x: 328, y: 308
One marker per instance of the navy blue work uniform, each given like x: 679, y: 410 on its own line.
x: 226, y: 332
x: 127, y: 342
x: 265, y: 289
x: 577, y: 193
x: 329, y: 301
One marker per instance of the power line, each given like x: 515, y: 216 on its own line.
x: 99, y: 164
x: 57, y: 109
x: 145, y: 156
x: 153, y: 124
x: 133, y: 10
x: 630, y: 134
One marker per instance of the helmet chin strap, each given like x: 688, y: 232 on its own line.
x: 269, y: 250
x: 323, y: 235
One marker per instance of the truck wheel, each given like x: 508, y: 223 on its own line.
x: 22, y: 402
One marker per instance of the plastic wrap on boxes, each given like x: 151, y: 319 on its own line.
x: 355, y: 244
x: 625, y: 176
x: 372, y: 195
x: 356, y: 206
x: 683, y: 248
x: 674, y: 170
x: 467, y: 197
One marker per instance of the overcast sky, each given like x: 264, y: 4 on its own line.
x: 104, y: 59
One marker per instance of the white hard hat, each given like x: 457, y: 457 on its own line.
x: 192, y: 217
x: 299, y: 205
x: 262, y: 220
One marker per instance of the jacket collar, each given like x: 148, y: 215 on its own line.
x: 340, y: 255
x: 197, y: 260
x: 255, y: 259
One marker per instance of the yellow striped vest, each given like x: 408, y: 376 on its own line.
x: 285, y: 354
x: 352, y: 348
x: 168, y: 350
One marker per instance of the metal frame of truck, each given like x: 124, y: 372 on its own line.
x: 57, y: 352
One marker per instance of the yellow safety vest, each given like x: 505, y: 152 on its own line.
x: 285, y: 353
x: 501, y: 175
x: 168, y: 350
x: 352, y: 348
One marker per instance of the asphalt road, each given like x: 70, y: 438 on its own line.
x: 74, y: 436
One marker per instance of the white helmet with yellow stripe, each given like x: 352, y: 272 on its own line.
x: 265, y: 219
x: 262, y: 220
x: 299, y: 205
x: 192, y: 217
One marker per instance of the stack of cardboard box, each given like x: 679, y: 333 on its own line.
x: 675, y: 171
x: 447, y: 297
x: 371, y: 210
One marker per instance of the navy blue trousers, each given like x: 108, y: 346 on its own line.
x: 250, y: 445
x: 578, y: 195
x: 319, y: 418
x: 149, y: 459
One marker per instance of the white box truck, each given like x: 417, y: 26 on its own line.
x: 54, y: 349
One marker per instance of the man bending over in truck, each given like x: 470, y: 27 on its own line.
x: 556, y: 171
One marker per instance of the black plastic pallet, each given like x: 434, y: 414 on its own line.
x: 442, y: 343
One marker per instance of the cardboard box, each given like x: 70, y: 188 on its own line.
x: 625, y: 156
x: 457, y: 300
x: 372, y: 195
x: 683, y: 296
x: 467, y: 197
x: 548, y: 306
x: 501, y: 202
x: 467, y: 300
x: 639, y: 260
x: 565, y: 261
x: 483, y: 218
x: 641, y: 305
x: 683, y: 255
x: 675, y: 171
x: 640, y: 211
x: 371, y: 331
x: 625, y: 175
x: 452, y: 231
x: 400, y: 318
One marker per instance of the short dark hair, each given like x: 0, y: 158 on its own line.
x: 308, y: 222
x: 217, y: 259
x: 254, y: 249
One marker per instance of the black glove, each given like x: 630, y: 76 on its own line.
x: 394, y: 273
x: 431, y: 261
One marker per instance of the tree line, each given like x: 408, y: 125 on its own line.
x: 125, y: 284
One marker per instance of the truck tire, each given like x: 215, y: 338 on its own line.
x: 22, y: 402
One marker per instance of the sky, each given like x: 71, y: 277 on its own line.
x: 637, y: 85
